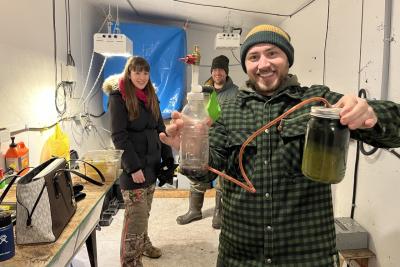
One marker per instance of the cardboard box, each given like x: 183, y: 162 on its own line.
x: 350, y: 234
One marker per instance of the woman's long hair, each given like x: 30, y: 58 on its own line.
x: 132, y: 103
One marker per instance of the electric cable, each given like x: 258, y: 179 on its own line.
x: 303, y: 7
x: 55, y: 42
x: 116, y: 26
x: 248, y: 11
x: 102, y: 143
x: 70, y: 59
x: 361, y: 47
x: 393, y: 151
x: 359, y: 143
x: 97, y: 116
x: 236, y: 9
x: 87, y: 78
x: 94, y: 115
x: 96, y: 81
x: 236, y: 59
x: 325, y: 43
x: 248, y: 186
x: 61, y: 106
x: 355, y: 180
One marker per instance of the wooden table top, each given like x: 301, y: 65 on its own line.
x: 44, y: 254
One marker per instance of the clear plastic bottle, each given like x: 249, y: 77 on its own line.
x: 194, y: 139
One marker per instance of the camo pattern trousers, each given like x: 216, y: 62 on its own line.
x: 134, y: 238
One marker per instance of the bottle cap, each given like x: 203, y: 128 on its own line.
x: 13, y: 144
x: 195, y: 96
x: 5, y: 218
x: 197, y: 88
x: 324, y: 112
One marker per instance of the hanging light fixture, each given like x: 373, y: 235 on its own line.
x: 112, y: 43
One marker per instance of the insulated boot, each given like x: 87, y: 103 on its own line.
x: 216, y: 221
x: 150, y: 250
x: 196, y: 200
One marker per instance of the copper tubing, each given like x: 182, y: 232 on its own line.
x: 248, y: 186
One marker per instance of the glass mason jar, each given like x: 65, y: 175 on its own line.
x: 326, y: 146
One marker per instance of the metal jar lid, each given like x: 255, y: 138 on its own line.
x: 324, y: 112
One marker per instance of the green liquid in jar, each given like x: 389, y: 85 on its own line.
x: 325, y: 150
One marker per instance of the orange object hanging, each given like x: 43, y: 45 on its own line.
x: 248, y: 186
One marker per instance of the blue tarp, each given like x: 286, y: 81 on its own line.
x: 161, y: 46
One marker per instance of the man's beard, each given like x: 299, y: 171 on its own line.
x: 266, y: 90
x: 219, y: 84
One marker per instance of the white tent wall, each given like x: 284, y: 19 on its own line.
x: 378, y: 177
x: 27, y: 70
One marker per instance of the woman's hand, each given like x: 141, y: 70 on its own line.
x: 138, y: 177
x: 172, y: 135
x: 356, y: 113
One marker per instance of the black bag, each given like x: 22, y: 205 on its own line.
x: 45, y: 201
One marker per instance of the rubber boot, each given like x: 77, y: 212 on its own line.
x: 196, y: 200
x: 216, y: 221
x: 150, y: 250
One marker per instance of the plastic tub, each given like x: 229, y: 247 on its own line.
x: 107, y: 161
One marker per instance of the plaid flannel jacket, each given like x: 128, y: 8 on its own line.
x: 289, y: 220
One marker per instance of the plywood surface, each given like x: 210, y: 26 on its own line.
x: 47, y: 254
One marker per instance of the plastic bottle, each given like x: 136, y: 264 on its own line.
x: 23, y: 152
x: 12, y: 156
x: 7, y: 247
x: 2, y: 184
x: 326, y: 146
x: 194, y: 139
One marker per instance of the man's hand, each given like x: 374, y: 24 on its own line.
x: 172, y: 135
x: 173, y: 131
x: 138, y: 177
x: 356, y: 113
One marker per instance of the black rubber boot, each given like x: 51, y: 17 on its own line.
x: 216, y: 221
x: 196, y: 200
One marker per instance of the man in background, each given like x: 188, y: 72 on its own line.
x: 222, y: 85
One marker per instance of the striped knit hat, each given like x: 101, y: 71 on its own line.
x: 270, y: 34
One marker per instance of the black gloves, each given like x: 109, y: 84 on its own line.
x: 166, y: 172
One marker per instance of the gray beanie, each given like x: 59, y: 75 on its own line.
x: 270, y: 34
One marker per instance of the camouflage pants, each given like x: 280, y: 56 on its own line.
x: 134, y: 238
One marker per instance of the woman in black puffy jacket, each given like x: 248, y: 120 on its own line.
x: 135, y: 124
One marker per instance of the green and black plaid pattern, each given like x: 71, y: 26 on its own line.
x: 289, y: 220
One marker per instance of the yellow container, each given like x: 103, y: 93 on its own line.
x: 107, y: 161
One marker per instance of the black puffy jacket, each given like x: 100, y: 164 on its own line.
x: 140, y: 141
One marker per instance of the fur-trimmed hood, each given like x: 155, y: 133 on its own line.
x: 111, y: 83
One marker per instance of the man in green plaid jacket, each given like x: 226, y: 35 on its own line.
x: 289, y: 220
